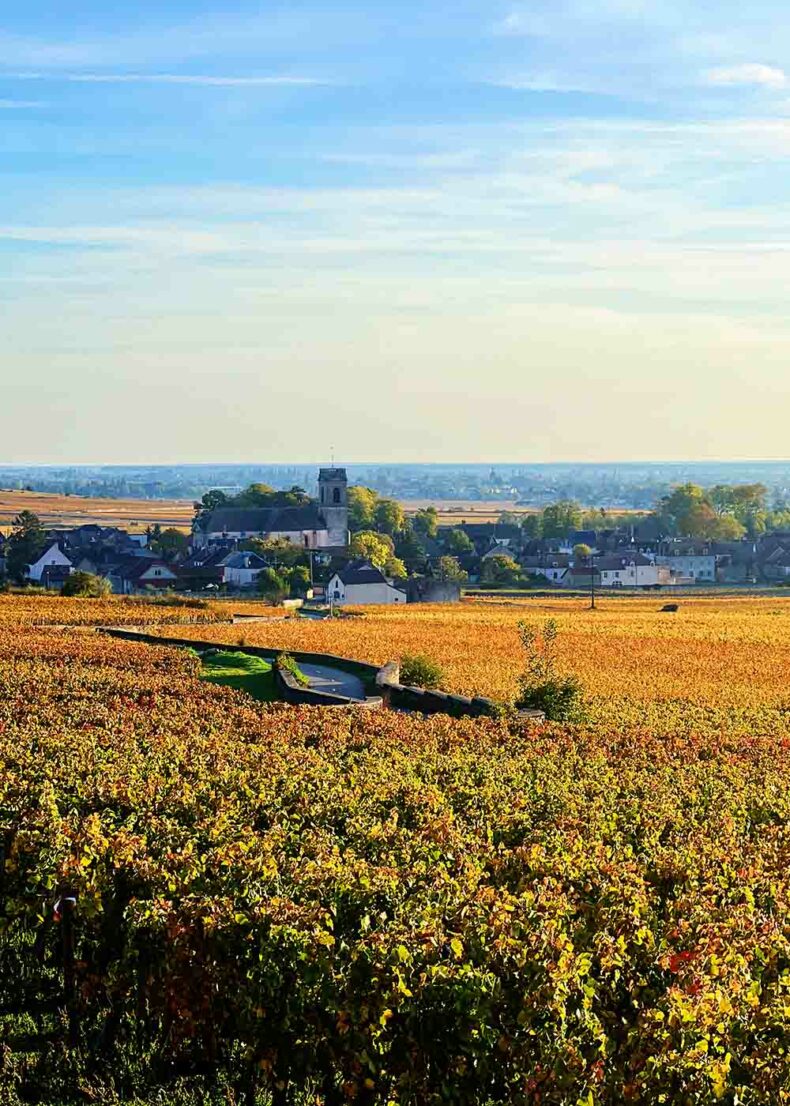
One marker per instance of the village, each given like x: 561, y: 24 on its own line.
x: 322, y: 550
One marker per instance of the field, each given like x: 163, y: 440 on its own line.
x: 71, y: 510
x: 716, y: 658
x: 205, y: 899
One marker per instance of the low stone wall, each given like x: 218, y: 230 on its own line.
x: 386, y: 680
x: 366, y: 672
x: 427, y: 701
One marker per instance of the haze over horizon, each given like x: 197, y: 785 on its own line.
x: 555, y: 230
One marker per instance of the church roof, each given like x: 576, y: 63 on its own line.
x: 263, y: 520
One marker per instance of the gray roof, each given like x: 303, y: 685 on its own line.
x: 244, y: 560
x: 361, y: 572
x: 263, y: 520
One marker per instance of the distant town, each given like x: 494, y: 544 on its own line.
x: 350, y: 545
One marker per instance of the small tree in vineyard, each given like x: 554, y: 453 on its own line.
x: 540, y: 687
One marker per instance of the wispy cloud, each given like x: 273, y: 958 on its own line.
x: 11, y: 105
x: 752, y: 73
x: 275, y: 80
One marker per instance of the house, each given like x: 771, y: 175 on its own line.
x: 241, y: 570
x: 139, y: 573
x: 203, y: 568
x: 551, y: 565
x: 317, y: 525
x: 359, y: 583
x: 695, y: 564
x: 54, y: 577
x: 54, y: 554
x: 632, y: 570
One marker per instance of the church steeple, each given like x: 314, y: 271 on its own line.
x: 333, y: 502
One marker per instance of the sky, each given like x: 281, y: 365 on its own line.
x: 556, y: 230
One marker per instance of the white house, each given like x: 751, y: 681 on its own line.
x: 360, y: 584
x: 52, y: 555
x: 632, y: 570
x: 135, y: 574
x: 241, y: 570
x: 698, y: 567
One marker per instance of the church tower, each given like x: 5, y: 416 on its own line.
x: 333, y: 503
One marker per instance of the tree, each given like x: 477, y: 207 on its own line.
x: 582, y: 552
x: 561, y: 518
x: 276, y: 551
x: 373, y: 547
x: 410, y: 550
x: 426, y: 522
x: 25, y: 545
x: 459, y: 543
x: 540, y: 687
x: 689, y: 513
x: 500, y: 569
x: 273, y: 586
x: 85, y: 585
x: 170, y: 543
x: 361, y: 508
x: 389, y: 517
x: 449, y: 569
x: 299, y: 581
x: 532, y: 525
x: 210, y: 502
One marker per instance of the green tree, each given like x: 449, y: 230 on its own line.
x: 410, y: 550
x: 389, y: 517
x: 299, y: 581
x: 540, y: 687
x: 277, y: 551
x: 449, y: 569
x: 500, y: 569
x: 170, y: 543
x: 361, y: 508
x: 689, y: 513
x: 210, y: 502
x: 582, y: 551
x: 558, y: 519
x: 86, y: 585
x: 532, y: 525
x: 426, y: 522
x: 379, y: 549
x: 25, y: 545
x: 459, y: 543
x: 273, y: 585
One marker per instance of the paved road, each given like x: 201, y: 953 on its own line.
x: 333, y: 681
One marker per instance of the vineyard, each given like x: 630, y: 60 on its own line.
x: 209, y: 900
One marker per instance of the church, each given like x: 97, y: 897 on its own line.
x: 321, y: 525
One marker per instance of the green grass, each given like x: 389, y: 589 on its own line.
x: 242, y: 672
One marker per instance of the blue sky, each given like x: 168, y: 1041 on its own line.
x: 555, y: 230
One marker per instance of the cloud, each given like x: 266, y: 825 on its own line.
x: 763, y: 76
x: 169, y: 78
x: 11, y: 105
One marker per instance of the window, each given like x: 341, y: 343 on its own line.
x: 336, y: 495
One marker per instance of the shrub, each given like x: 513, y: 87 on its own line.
x: 85, y: 585
x: 561, y: 698
x: 417, y: 670
x: 285, y: 660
